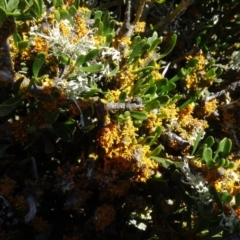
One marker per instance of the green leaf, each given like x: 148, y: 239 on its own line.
x: 38, y: 63
x: 100, y: 28
x: 170, y: 47
x: 211, y: 163
x: 72, y: 11
x: 155, y: 151
x: 57, y: 3
x: 231, y: 165
x: 64, y: 14
x: 105, y: 18
x: 155, y: 43
x: 3, y: 16
x: 31, y: 129
x: 176, y: 176
x: 166, y: 163
x: 190, y: 100
x: 12, y: 5
x: 38, y: 8
x: 109, y: 38
x: 139, y: 115
x: 91, y: 93
x: 211, y: 73
x: 163, y: 100
x: 207, y: 154
x: 64, y: 59
x: 63, y: 131
x: 57, y: 15
x: 17, y: 84
x: 209, y: 141
x: 159, y: 186
x: 226, y: 197
x: 48, y: 145
x: 22, y: 45
x: 157, y: 134
x: 167, y: 88
x: 92, y: 54
x: 225, y: 147
x: 70, y: 122
x: 114, y: 71
x: 122, y: 97
x: 17, y: 38
x: 77, y: 3
x: 192, y: 62
x: 161, y: 83
x: 212, y: 234
x: 237, y: 200
x: 221, y: 162
x: 151, y: 90
x: 3, y: 4
x: 153, y: 104
x: 80, y: 60
x: 51, y: 116
x: 208, y: 216
x: 3, y: 148
x: 137, y: 50
x: 109, y: 27
x: 214, y: 193
x: 136, y: 87
x: 174, y: 99
x: 9, y: 105
x: 153, y: 38
x: 226, y: 162
x: 97, y: 15
x: 135, y: 41
x: 93, y: 68
x: 147, y: 69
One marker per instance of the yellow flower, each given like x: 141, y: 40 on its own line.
x: 170, y: 111
x: 80, y: 28
x: 152, y: 122
x: 210, y: 107
x: 65, y: 28
x: 99, y: 40
x: 139, y: 27
x: 125, y: 78
x: 40, y: 44
x: 113, y: 95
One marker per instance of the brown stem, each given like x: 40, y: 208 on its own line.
x: 139, y: 11
x: 126, y: 28
x: 183, y: 5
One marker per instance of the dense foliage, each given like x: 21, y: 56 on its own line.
x: 119, y: 119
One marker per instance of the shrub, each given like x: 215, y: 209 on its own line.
x: 101, y: 137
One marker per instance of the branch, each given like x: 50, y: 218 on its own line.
x: 183, y: 5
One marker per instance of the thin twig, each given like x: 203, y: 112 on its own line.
x: 126, y: 28
x: 139, y: 11
x: 231, y: 87
x: 183, y: 5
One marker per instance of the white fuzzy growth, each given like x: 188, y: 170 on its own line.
x: 197, y: 182
x: 61, y: 44
x: 229, y: 222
